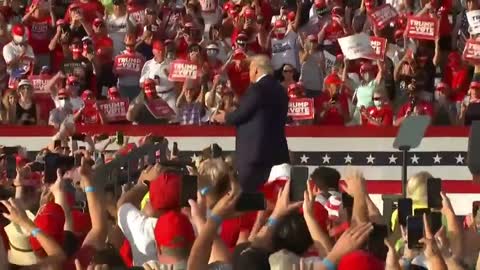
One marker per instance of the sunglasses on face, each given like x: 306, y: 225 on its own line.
x: 377, y: 98
x: 287, y: 71
x: 62, y: 98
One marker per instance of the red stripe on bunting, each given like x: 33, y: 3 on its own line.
x: 448, y: 186
x: 223, y: 131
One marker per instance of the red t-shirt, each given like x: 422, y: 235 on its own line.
x: 458, y: 81
x: 100, y: 43
x: 231, y: 228
x: 39, y: 34
x: 239, y: 78
x: 57, y: 58
x: 423, y: 108
x: 383, y: 114
x: 332, y: 115
x: 89, y: 10
x: 182, y: 49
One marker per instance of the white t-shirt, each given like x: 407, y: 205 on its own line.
x: 285, y: 51
x: 12, y: 50
x: 117, y: 28
x: 139, y: 231
x: 77, y: 102
x: 151, y: 69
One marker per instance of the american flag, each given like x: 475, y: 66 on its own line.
x: 443, y: 153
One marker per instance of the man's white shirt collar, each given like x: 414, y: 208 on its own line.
x: 261, y: 77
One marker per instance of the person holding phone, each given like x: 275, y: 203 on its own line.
x: 27, y: 111
x: 89, y: 113
x: 470, y: 107
x: 381, y: 114
x: 331, y: 107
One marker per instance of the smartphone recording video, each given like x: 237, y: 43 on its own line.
x: 404, y: 210
x: 434, y: 187
x: 414, y: 231
x: 11, y: 167
x: 188, y: 189
x: 251, y: 202
x: 298, y: 183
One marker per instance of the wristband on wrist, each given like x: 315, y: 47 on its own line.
x: 217, y: 219
x: 89, y: 189
x: 35, y: 232
x: 204, y: 191
x: 329, y: 264
x: 271, y: 222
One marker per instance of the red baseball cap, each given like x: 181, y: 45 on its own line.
x: 82, y: 223
x: 333, y: 79
x: 441, y: 85
x: 475, y: 84
x: 165, y: 191
x: 312, y: 37
x: 18, y: 30
x: 249, y: 13
x: 86, y: 94
x: 360, y: 260
x: 291, y: 16
x: 62, y: 93
x: 50, y: 219
x: 174, y: 230
x: 319, y: 4
x: 158, y: 45
x: 72, y: 79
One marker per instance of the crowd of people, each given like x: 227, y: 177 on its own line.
x: 82, y: 221
x: 183, y: 62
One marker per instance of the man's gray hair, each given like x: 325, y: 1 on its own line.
x: 263, y: 63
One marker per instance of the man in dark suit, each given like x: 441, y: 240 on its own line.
x: 260, y: 120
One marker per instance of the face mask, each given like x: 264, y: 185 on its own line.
x: 377, y: 103
x: 366, y: 77
x: 18, y: 39
x: 63, y: 103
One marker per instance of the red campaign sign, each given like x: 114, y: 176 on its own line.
x: 128, y: 64
x: 39, y: 82
x: 114, y: 110
x: 422, y: 27
x: 383, y: 15
x: 300, y: 108
x: 181, y: 70
x: 379, y: 46
x: 159, y: 109
x: 471, y: 53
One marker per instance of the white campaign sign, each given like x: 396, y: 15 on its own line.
x: 329, y: 61
x: 356, y: 46
x: 473, y: 18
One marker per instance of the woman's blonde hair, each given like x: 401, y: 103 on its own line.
x: 417, y: 187
x: 214, y: 174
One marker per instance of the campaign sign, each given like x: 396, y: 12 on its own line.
x: 300, y: 108
x: 329, y: 61
x: 422, y: 27
x: 128, y: 64
x: 39, y: 82
x: 159, y: 109
x: 471, y: 53
x: 383, y: 15
x: 379, y: 46
x: 473, y: 18
x: 181, y: 70
x: 356, y: 46
x: 114, y: 110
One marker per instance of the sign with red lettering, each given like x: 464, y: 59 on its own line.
x: 301, y: 108
x: 159, y: 109
x: 383, y: 15
x: 181, y: 70
x: 114, y: 110
x: 471, y: 53
x: 128, y: 64
x: 379, y: 46
x: 39, y: 82
x: 422, y: 27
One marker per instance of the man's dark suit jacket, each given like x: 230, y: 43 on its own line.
x: 260, y: 120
